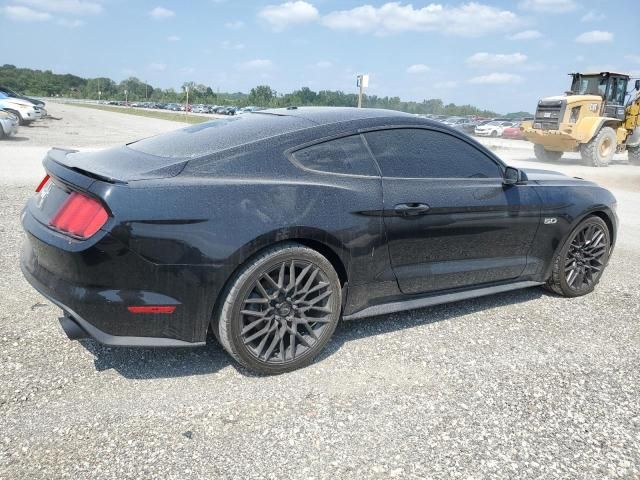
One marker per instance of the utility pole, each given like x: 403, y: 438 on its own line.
x: 186, y: 107
x: 362, y: 83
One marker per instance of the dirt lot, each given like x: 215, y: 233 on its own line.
x: 519, y: 385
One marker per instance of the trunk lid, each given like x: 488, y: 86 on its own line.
x: 116, y: 165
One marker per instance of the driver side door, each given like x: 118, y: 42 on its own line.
x: 450, y: 220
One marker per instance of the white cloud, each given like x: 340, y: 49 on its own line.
x: 72, y: 7
x: 595, y: 36
x: 633, y: 58
x: 593, y: 16
x: 227, y: 45
x: 418, y: 68
x: 496, y: 79
x: 471, y: 19
x: 187, y: 70
x: 173, y: 38
x: 237, y: 25
x: 288, y: 13
x: 70, y: 23
x: 24, y: 14
x: 257, y: 64
x: 158, y: 67
x: 492, y: 60
x: 526, y: 35
x: 324, y: 64
x: 549, y: 6
x: 161, y: 13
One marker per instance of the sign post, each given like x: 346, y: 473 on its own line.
x: 362, y: 83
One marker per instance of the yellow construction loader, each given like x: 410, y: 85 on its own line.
x: 597, y: 117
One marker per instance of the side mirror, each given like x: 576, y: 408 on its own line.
x: 637, y: 84
x: 511, y: 176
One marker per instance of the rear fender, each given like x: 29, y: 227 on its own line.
x: 330, y: 247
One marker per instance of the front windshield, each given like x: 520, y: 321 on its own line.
x: 499, y: 124
x: 589, y: 85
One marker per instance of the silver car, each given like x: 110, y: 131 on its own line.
x: 8, y: 124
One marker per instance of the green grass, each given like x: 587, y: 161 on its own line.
x: 162, y: 115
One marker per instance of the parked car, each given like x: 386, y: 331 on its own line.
x: 454, y: 121
x: 491, y: 129
x: 514, y: 132
x: 24, y: 110
x: 12, y: 93
x: 8, y: 124
x: 316, y: 225
x: 221, y: 110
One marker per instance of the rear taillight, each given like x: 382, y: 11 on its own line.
x: 80, y: 215
x: 42, y: 183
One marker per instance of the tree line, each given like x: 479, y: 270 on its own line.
x: 49, y: 84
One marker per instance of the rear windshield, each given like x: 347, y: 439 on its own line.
x: 217, y: 135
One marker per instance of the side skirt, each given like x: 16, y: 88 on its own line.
x: 414, y: 303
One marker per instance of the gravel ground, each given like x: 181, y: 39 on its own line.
x: 520, y: 385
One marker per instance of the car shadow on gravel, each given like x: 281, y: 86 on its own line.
x: 15, y: 139
x: 149, y: 363
x: 368, y: 327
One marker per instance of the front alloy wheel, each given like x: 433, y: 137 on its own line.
x: 281, y: 309
x: 579, y: 265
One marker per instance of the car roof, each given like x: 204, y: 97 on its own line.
x: 328, y: 115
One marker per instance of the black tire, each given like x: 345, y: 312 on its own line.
x: 591, y: 258
x: 634, y: 155
x: 21, y: 120
x: 600, y: 150
x: 494, y: 133
x: 544, y: 155
x: 275, y: 306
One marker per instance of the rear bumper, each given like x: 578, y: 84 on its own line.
x: 95, y: 284
x: 107, y: 309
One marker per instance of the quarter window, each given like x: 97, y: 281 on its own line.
x: 346, y: 155
x: 418, y: 153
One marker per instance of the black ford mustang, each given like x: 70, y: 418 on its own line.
x: 268, y: 227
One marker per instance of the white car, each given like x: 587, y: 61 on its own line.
x: 492, y: 129
x: 26, y: 111
x: 8, y: 124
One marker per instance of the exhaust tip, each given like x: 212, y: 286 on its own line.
x: 72, y: 329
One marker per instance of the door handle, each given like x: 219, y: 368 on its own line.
x: 411, y: 209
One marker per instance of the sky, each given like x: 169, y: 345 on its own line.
x: 495, y: 54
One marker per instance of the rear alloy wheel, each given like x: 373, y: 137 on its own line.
x: 600, y: 150
x: 281, y: 309
x: 544, y: 155
x: 578, y: 266
x: 634, y: 155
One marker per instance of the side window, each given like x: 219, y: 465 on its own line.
x: 416, y: 153
x: 346, y: 155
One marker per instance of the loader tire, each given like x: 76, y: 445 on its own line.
x: 600, y: 150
